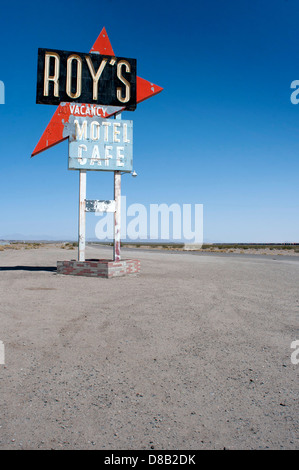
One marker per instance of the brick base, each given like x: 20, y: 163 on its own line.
x: 99, y: 267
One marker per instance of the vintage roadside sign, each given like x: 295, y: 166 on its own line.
x: 55, y: 133
x: 88, y: 89
x: 85, y: 78
x: 100, y: 144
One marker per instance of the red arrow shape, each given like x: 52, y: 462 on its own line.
x: 54, y: 132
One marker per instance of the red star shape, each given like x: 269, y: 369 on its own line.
x: 53, y: 133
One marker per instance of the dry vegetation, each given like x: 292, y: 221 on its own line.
x: 211, y: 248
x: 20, y: 245
x: 35, y: 245
x: 223, y: 248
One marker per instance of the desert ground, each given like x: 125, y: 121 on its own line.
x: 192, y: 353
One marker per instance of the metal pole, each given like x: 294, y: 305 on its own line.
x: 82, y: 207
x: 117, y: 198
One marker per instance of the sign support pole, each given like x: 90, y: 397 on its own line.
x: 82, y: 207
x: 117, y: 215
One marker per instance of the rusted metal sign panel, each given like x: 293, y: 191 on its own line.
x: 53, y: 133
x: 100, y: 144
x: 85, y: 78
x: 99, y: 206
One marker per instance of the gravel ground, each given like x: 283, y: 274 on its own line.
x: 193, y: 353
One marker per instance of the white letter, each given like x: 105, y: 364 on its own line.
x: 152, y: 459
x: 93, y: 135
x: 81, y: 160
x: 115, y: 131
x: 119, y: 156
x: 95, y: 76
x: 124, y: 81
x: 80, y: 133
x: 106, y: 124
x: 55, y: 77
x: 107, y: 155
x: 69, y: 76
x: 95, y: 157
x: 125, y: 133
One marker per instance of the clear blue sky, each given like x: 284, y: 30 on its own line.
x: 223, y: 133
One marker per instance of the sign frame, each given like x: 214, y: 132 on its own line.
x: 99, y: 144
x: 77, y: 77
x: 58, y: 130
